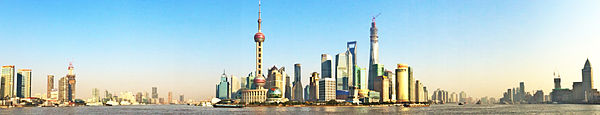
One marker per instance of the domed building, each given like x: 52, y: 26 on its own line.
x: 274, y: 95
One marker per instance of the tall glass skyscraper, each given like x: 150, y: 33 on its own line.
x: 23, y: 83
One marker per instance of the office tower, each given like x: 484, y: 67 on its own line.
x: 411, y: 86
x: 181, y: 99
x: 462, y: 97
x: 351, y: 49
x: 170, y: 98
x: 50, y: 85
x: 66, y: 90
x: 154, y: 93
x: 288, y: 87
x: 297, y: 94
x: 392, y: 85
x: 257, y: 94
x: 139, y: 97
x: 314, y: 86
x: 307, y: 92
x: 361, y: 78
x: 325, y: 66
x: 382, y: 86
x: 402, y: 83
x: 425, y: 94
x: 95, y: 95
x: 23, y: 83
x: 557, y: 83
x: 374, y: 58
x: 419, y: 91
x: 521, y: 90
x: 243, y: 82
x: 234, y: 86
x: 374, y: 71
x: 343, y: 72
x: 8, y: 73
x: 250, y: 81
x: 276, y: 79
x: 223, y: 88
x: 327, y: 89
x: 587, y: 77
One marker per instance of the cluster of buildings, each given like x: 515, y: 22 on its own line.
x: 341, y: 80
x: 130, y: 98
x: 518, y: 95
x: 440, y: 96
x: 16, y: 88
x: 582, y: 92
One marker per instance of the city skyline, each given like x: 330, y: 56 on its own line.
x: 447, y: 47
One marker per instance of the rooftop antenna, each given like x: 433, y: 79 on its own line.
x: 259, y: 18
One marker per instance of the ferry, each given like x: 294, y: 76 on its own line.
x: 227, y: 104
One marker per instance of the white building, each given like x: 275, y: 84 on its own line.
x: 327, y: 89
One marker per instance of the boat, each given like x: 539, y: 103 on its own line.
x: 478, y: 102
x: 460, y: 103
x: 227, y: 104
x: 416, y: 105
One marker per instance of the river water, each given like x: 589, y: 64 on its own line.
x: 434, y: 109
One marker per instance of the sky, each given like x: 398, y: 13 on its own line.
x: 480, y: 47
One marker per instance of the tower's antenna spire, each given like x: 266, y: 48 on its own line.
x: 375, y: 17
x: 259, y: 18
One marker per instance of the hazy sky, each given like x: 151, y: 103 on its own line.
x: 482, y: 47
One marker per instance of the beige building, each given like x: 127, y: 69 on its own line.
x: 314, y: 87
x: 254, y: 95
x: 382, y: 86
x: 8, y: 73
x: 402, y: 83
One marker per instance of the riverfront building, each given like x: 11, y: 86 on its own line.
x: 23, y: 83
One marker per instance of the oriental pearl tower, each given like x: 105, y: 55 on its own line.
x: 259, y: 38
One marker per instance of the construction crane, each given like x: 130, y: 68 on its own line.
x: 376, y: 17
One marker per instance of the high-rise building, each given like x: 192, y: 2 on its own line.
x: 343, y: 72
x: 392, y: 85
x: 243, y: 82
x: 326, y: 66
x: 154, y: 93
x: 8, y: 73
x: 181, y: 99
x: 375, y: 70
x: 307, y: 92
x: 557, y: 83
x: 411, y: 86
x: 462, y: 96
x: 276, y: 79
x: 223, y: 88
x: 50, y: 85
x: 374, y: 58
x: 351, y: 49
x: 326, y: 89
x: 234, y: 86
x: 66, y: 90
x: 288, y: 87
x: 170, y: 98
x: 382, y: 86
x: 402, y: 82
x: 95, y: 95
x: 297, y: 94
x: 250, y: 81
x: 361, y: 78
x: 314, y: 86
x: 23, y: 83
x: 587, y: 77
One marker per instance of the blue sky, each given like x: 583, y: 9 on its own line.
x: 481, y: 47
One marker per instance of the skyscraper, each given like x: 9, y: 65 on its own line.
x: 288, y: 87
x: 170, y: 98
x: 154, y: 93
x: 223, y: 88
x: 402, y: 80
x: 375, y: 70
x: 95, y: 95
x: 587, y: 77
x: 50, y: 85
x: 374, y: 59
x: 382, y: 86
x: 259, y: 38
x: 250, y: 81
x: 325, y: 66
x: 326, y: 89
x: 23, y: 83
x: 297, y: 94
x: 234, y: 86
x: 343, y: 72
x: 276, y: 79
x: 314, y: 86
x: 181, y: 99
x: 66, y: 90
x: 411, y: 86
x: 351, y: 49
x: 8, y: 73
